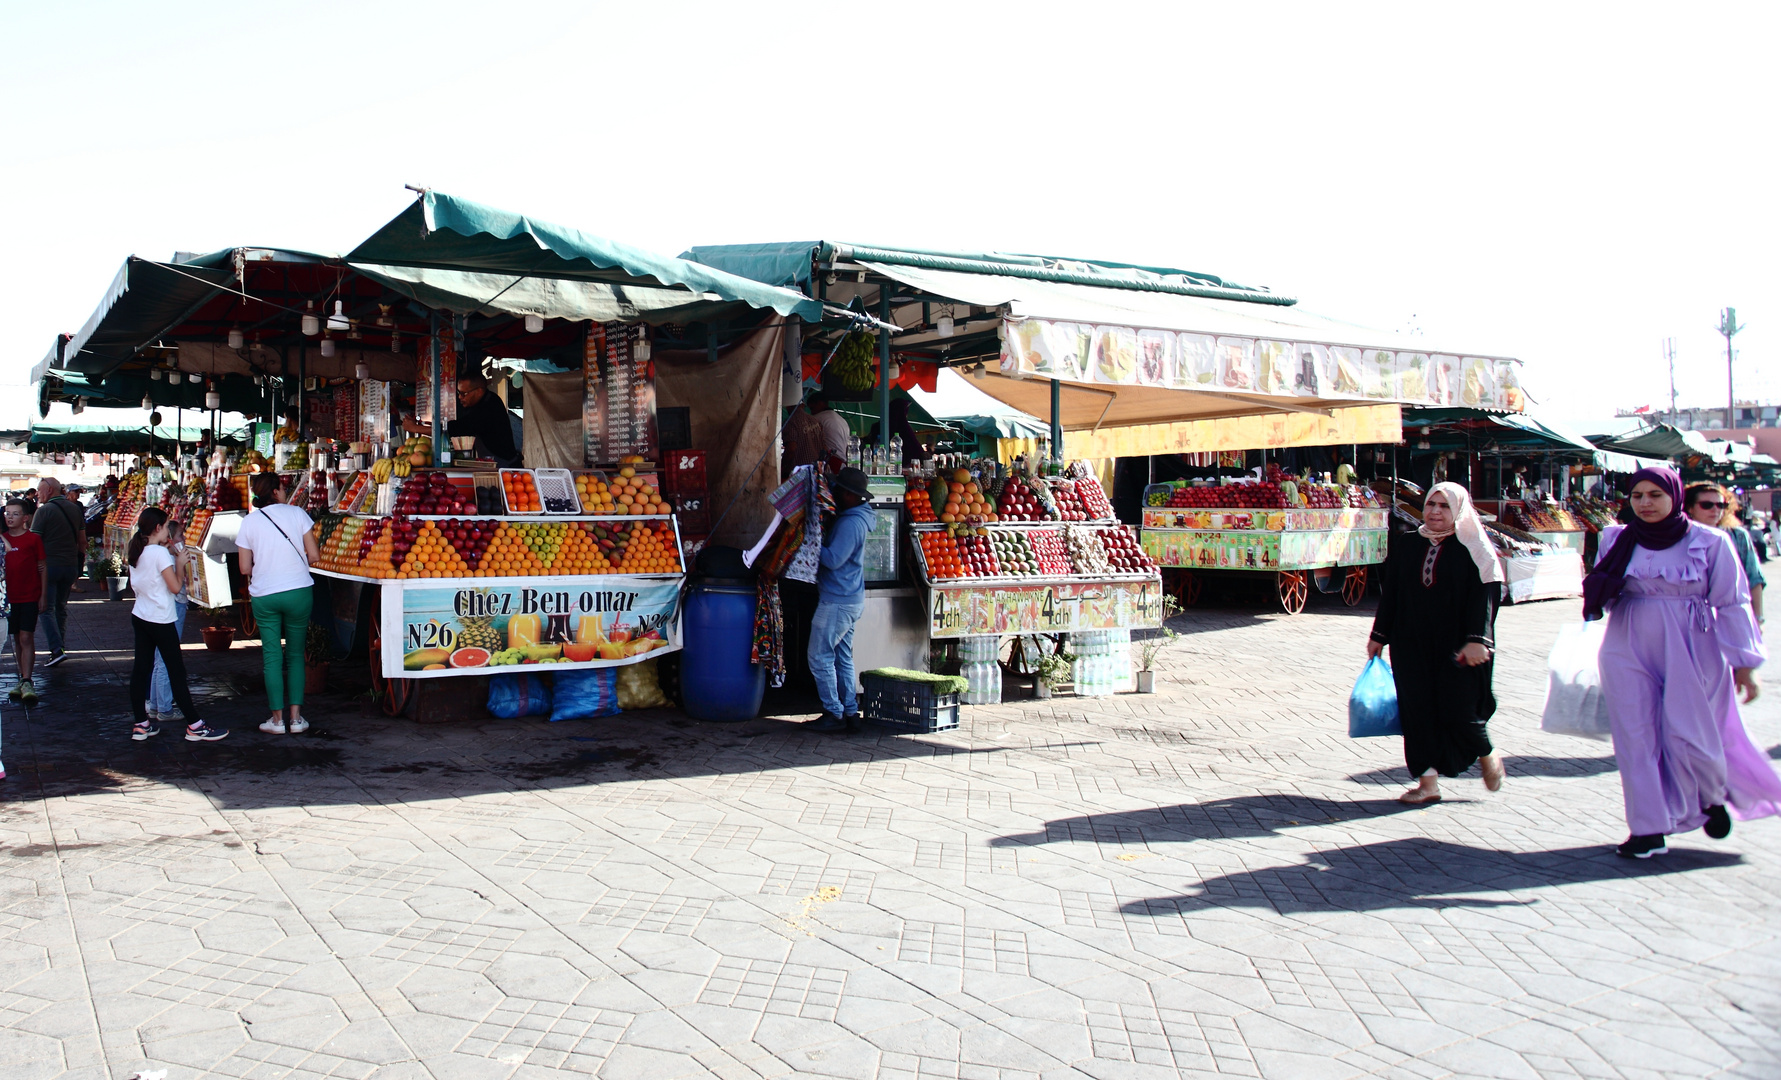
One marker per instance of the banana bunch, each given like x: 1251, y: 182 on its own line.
x: 854, y: 362
x: 402, y: 467
x: 382, y: 469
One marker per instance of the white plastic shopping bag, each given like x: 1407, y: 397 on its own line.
x: 1574, y: 701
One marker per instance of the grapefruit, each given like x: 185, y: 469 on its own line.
x: 470, y: 656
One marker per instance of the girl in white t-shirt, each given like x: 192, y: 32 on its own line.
x: 155, y: 578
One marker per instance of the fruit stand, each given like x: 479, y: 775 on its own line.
x: 1306, y: 534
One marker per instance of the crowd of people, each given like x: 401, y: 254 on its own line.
x: 1680, y: 585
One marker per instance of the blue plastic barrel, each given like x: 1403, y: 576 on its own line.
x: 717, y: 679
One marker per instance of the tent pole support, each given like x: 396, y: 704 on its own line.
x: 884, y: 349
x: 1057, y: 420
x: 433, y: 365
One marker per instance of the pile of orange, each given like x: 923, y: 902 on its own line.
x: 432, y: 557
x: 964, y: 499
x: 920, y: 504
x: 580, y: 555
x: 633, y: 494
x: 521, y: 492
x: 596, y: 497
x: 941, y: 552
x: 649, y: 549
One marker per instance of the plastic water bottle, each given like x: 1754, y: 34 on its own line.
x: 853, y: 450
x: 897, y: 451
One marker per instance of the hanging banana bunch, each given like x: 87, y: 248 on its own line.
x: 855, y: 362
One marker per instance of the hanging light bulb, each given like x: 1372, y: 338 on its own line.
x: 361, y: 371
x: 173, y: 377
x: 534, y: 323
x: 943, y: 326
x: 338, y: 322
x: 894, y: 371
x: 147, y: 402
x: 980, y: 372
x: 79, y: 406
x: 327, y: 346
x: 311, y: 325
x: 154, y: 374
x: 212, y: 399
x: 236, y: 338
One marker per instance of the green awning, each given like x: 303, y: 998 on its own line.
x: 1662, y: 441
x: 1490, y: 430
x: 442, y: 233
x: 88, y: 437
x: 125, y: 390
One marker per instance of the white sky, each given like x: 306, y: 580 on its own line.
x: 1568, y: 184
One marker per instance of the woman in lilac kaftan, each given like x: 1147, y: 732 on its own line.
x: 1680, y: 641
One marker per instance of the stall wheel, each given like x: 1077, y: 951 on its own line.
x: 392, y: 694
x: 1354, y: 585
x: 1293, y: 588
x: 1189, y: 587
x: 248, y: 626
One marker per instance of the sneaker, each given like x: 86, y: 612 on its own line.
x: 273, y: 725
x: 299, y: 725
x: 17, y: 692
x: 1719, y: 823
x: 55, y: 658
x: 28, y: 694
x: 1642, y: 847
x: 144, y: 730
x: 828, y: 722
x: 202, y: 732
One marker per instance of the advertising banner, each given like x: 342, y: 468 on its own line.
x: 973, y: 611
x: 1185, y: 517
x: 1134, y: 356
x: 443, y: 628
x: 1246, y: 549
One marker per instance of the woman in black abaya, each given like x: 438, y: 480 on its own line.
x: 1438, y: 614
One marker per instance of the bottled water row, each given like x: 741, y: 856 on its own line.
x: 979, y: 663
x: 1103, y: 661
x: 872, y: 459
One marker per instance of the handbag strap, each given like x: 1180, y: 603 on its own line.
x: 287, y: 536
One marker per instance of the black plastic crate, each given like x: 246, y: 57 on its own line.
x: 913, y: 707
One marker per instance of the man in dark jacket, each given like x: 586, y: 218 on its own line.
x: 62, y: 526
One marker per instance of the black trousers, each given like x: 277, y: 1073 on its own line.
x: 151, y: 636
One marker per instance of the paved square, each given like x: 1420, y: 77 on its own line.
x: 1208, y: 881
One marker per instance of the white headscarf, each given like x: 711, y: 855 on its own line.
x: 1468, y: 528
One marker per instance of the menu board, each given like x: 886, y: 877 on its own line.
x: 374, y: 410
x: 618, y: 406
x: 446, y: 341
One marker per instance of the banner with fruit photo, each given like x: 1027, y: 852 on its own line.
x: 437, y: 631
x: 1052, y: 608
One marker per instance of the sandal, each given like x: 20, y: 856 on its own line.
x: 1492, y: 768
x: 1416, y: 797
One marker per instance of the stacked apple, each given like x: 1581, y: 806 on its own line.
x: 1069, y: 503
x: 1018, y: 502
x: 470, y: 539
x: 1094, y: 500
x: 1123, y: 552
x: 1049, y: 552
x: 978, y: 556
x: 432, y: 493
x: 1262, y: 496
x: 1321, y: 496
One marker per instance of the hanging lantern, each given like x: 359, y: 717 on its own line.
x: 173, y: 378
x: 361, y: 371
x: 327, y: 346
x: 212, y: 399
x: 338, y: 322
x: 236, y: 338
x: 534, y: 324
x: 311, y: 325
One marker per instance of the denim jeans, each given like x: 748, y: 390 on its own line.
x: 52, y: 617
x: 831, y: 655
x: 160, y: 689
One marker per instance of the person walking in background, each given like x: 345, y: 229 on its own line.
x: 841, y: 599
x: 63, y: 529
x: 27, y: 580
x: 155, y: 579
x: 1438, y: 614
x: 1713, y: 505
x: 160, y: 689
x: 277, y: 549
x: 1680, y: 645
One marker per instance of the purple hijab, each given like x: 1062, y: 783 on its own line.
x: 1604, y: 582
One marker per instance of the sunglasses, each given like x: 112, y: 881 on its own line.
x: 1712, y: 505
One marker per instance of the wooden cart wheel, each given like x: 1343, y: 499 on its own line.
x: 1354, y: 586
x: 1293, y: 588
x: 392, y: 694
x: 245, y: 621
x: 1189, y: 587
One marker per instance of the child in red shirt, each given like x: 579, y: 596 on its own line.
x: 27, y: 579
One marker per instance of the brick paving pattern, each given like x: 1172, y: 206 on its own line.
x: 1208, y: 881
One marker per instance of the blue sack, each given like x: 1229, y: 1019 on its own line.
x: 1373, y: 704
x: 513, y: 696
x: 583, y: 695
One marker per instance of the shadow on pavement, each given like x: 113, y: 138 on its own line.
x: 1247, y: 815
x: 1517, y: 765
x: 1419, y: 872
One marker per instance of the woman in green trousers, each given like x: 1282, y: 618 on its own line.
x: 277, y: 545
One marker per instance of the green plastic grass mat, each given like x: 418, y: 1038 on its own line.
x: 942, y: 684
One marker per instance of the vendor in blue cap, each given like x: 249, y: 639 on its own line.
x: 841, y: 598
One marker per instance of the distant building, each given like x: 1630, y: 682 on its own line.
x: 1711, y: 417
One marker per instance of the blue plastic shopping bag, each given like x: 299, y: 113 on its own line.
x: 1373, y: 704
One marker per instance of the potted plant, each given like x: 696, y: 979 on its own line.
x: 117, y: 579
x: 317, y: 652
x: 95, y: 559
x: 218, y: 635
x: 1052, y: 668
x: 1151, y: 647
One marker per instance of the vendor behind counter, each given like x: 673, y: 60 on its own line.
x: 480, y: 414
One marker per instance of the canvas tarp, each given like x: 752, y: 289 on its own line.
x: 554, y: 438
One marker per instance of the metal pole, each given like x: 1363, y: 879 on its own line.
x: 884, y: 346
x: 433, y: 325
x: 1728, y: 325
x: 1057, y: 420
